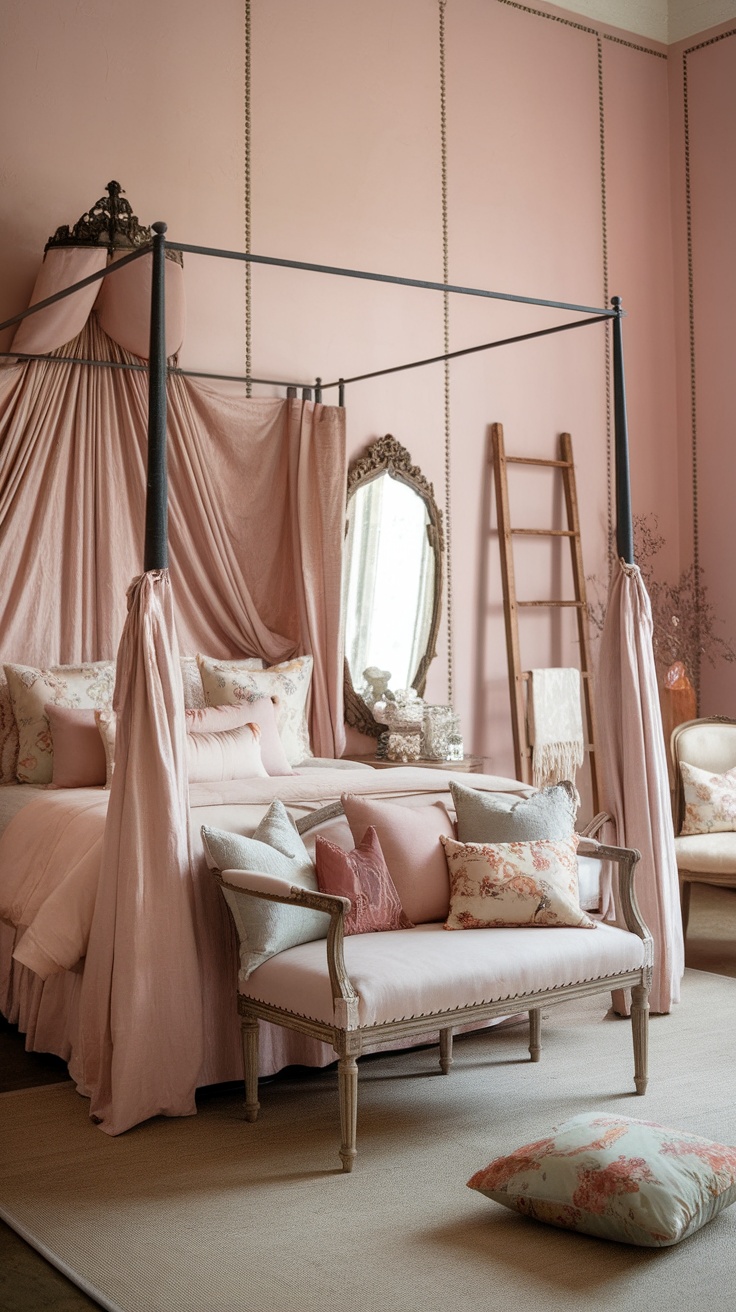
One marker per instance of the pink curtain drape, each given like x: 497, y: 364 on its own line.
x: 256, y: 518
x: 122, y: 302
x: 635, y: 779
x: 141, y: 1005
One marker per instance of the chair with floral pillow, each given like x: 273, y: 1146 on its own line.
x: 704, y: 759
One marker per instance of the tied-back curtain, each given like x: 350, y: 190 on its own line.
x: 256, y: 518
x: 635, y: 778
x: 141, y: 1021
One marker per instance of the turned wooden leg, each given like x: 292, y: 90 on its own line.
x: 640, y: 1034
x: 685, y: 890
x: 347, y: 1076
x: 535, y: 1033
x: 249, y: 1035
x: 445, y: 1050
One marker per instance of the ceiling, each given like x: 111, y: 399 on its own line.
x: 660, y: 20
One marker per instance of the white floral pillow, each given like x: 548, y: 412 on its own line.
x: 234, y: 683
x: 193, y: 690
x: 616, y: 1178
x: 495, y: 885
x: 710, y: 800
x: 89, y: 685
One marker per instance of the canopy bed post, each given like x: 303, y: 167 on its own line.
x: 156, y: 552
x: 624, y: 523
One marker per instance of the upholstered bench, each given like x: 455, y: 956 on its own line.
x: 358, y: 992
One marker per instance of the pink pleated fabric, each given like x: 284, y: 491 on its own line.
x: 256, y: 518
x: 141, y: 1005
x: 122, y: 302
x: 635, y: 781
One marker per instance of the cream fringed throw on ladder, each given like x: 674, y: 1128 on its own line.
x: 555, y: 725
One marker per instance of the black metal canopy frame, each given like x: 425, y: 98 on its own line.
x: 156, y: 526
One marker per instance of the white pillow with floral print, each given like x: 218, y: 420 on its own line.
x: 497, y: 885
x: 616, y: 1178
x: 234, y: 683
x: 710, y: 800
x: 193, y: 690
x: 8, y: 736
x: 89, y: 685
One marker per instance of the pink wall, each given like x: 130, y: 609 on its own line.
x: 346, y: 169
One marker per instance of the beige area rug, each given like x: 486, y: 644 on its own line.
x: 211, y: 1214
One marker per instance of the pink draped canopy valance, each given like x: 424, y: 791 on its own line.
x: 256, y: 495
x: 121, y: 302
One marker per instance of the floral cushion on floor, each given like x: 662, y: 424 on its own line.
x: 617, y: 1178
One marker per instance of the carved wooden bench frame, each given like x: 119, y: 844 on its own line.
x: 350, y: 1040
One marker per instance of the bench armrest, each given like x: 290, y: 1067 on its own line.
x: 626, y: 859
x: 268, y: 888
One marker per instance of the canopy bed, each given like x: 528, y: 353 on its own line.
x: 115, y: 949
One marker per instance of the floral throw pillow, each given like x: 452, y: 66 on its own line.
x: 494, y: 885
x: 232, y: 683
x: 363, y: 876
x: 88, y: 686
x: 8, y: 736
x: 616, y: 1178
x: 710, y: 800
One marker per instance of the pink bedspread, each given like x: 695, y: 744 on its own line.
x: 49, y: 869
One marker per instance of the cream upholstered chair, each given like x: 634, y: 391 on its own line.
x: 709, y: 856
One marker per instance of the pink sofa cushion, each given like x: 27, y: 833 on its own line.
x: 362, y: 875
x: 410, y: 842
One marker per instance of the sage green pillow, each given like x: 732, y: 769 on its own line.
x: 275, y: 848
x: 503, y: 818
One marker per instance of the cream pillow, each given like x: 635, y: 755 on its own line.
x: 710, y: 800
x: 225, y: 754
x: 90, y: 685
x: 193, y: 690
x: 233, y: 683
x: 494, y: 885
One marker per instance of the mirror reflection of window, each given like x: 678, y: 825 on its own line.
x: 388, y: 587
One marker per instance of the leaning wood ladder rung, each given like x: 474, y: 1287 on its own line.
x: 519, y: 678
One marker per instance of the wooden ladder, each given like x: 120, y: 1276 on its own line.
x: 519, y: 678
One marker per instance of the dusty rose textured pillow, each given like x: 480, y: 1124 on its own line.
x: 78, y: 751
x: 362, y: 875
x: 410, y: 842
x: 495, y: 885
x: 225, y: 754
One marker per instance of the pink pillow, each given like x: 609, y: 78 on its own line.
x: 261, y: 712
x: 410, y: 842
x: 79, y: 753
x: 212, y: 719
x: 228, y: 754
x: 362, y: 875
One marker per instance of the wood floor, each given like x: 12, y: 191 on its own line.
x: 30, y: 1284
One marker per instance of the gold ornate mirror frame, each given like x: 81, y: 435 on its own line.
x: 388, y: 455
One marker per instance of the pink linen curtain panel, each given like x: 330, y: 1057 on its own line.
x: 635, y: 777
x: 256, y: 510
x: 141, y: 1021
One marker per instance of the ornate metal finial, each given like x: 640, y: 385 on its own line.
x: 109, y: 222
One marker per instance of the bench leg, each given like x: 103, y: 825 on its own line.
x: 640, y: 1034
x: 249, y: 1036
x: 535, y: 1033
x: 347, y: 1076
x: 445, y: 1050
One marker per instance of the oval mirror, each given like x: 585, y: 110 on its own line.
x: 392, y: 578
